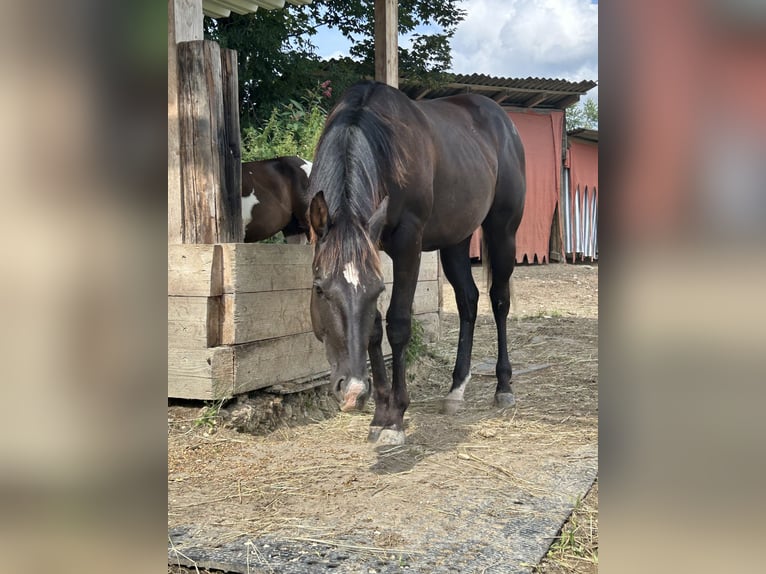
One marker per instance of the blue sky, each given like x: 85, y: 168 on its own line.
x: 514, y: 38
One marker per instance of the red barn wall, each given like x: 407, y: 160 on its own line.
x: 541, y: 133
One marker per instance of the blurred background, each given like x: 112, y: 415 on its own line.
x: 683, y: 310
x: 83, y: 263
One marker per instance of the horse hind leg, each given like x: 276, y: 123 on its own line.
x: 457, y: 268
x: 501, y: 247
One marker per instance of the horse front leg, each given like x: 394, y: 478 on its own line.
x: 399, y: 331
x: 381, y: 387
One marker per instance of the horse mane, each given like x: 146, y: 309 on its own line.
x: 357, y: 161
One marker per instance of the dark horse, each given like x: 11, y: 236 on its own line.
x: 414, y: 176
x: 275, y: 197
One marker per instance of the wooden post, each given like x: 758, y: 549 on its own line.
x: 387, y: 42
x: 232, y: 147
x: 184, y: 24
x: 210, y: 208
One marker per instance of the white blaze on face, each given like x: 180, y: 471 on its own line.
x: 307, y: 167
x: 248, y: 203
x: 351, y: 275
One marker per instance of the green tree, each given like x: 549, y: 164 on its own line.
x: 582, y: 115
x: 274, y: 60
x: 293, y: 128
x: 278, y: 61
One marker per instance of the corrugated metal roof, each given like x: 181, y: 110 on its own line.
x: 519, y: 92
x: 224, y: 8
x: 584, y: 134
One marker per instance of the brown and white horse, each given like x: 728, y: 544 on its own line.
x: 275, y: 198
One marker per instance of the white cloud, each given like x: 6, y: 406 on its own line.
x: 520, y: 38
x: 337, y: 54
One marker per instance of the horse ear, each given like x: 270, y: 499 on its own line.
x: 377, y: 221
x: 318, y: 215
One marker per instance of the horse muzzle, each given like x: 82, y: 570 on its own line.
x: 353, y: 394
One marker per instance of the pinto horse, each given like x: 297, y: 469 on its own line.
x: 275, y: 197
x: 411, y: 177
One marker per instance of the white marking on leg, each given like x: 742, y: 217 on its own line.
x: 248, y: 203
x: 351, y: 275
x: 457, y: 394
x: 307, y: 167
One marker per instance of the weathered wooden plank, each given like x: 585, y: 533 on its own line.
x: 386, y: 42
x: 231, y: 152
x: 431, y: 325
x: 214, y: 373
x: 426, y: 298
x: 429, y: 267
x: 265, y: 315
x: 187, y: 322
x: 387, y: 267
x: 288, y: 312
x: 195, y: 270
x: 184, y: 24
x: 194, y: 322
x: 273, y: 308
x: 440, y: 279
x: 175, y: 219
x: 264, y: 363
x: 199, y: 77
x: 204, y: 374
x: 299, y: 385
x: 255, y: 267
x: 207, y: 202
x: 187, y: 17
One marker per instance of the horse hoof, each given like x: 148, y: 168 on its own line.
x: 451, y: 406
x: 374, y: 434
x: 390, y: 437
x: 504, y: 400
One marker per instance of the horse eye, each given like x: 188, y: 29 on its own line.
x: 318, y: 290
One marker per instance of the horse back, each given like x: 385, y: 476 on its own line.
x: 478, y: 166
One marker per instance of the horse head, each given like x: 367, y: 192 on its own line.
x: 347, y: 283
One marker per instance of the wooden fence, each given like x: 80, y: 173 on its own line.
x: 239, y: 320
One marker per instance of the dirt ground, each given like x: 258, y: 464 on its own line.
x: 305, y: 477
